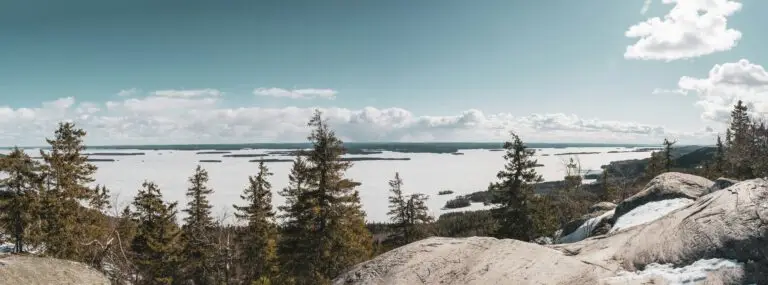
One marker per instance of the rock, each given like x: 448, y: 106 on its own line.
x: 668, y: 185
x: 28, y: 270
x: 602, y: 207
x: 474, y: 260
x: 585, y: 229
x: 571, y: 226
x: 726, y: 230
x: 721, y: 183
x: 543, y: 240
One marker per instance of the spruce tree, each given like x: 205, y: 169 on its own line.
x: 740, y: 148
x: 655, y: 165
x: 512, y: 194
x: 418, y: 215
x: 406, y: 213
x: 295, y: 241
x: 156, y: 244
x: 67, y: 174
x: 198, y: 250
x: 22, y: 183
x: 667, y: 155
x: 609, y: 190
x: 718, y: 165
x: 330, y: 210
x: 258, y: 239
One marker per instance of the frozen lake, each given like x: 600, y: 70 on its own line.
x: 424, y: 173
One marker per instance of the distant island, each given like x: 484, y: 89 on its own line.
x: 266, y: 160
x: 351, y: 147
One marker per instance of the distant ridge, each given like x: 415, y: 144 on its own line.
x: 358, y: 147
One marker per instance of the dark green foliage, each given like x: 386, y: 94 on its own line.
x: 407, y: 213
x: 66, y: 174
x: 156, y: 250
x: 513, y: 193
x: 667, y: 154
x: 458, y: 202
x: 323, y: 212
x: 258, y: 239
x: 198, y: 251
x: 466, y: 224
x: 445, y: 192
x: 22, y: 183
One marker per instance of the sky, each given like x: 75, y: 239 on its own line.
x: 240, y: 71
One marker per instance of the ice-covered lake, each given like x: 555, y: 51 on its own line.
x: 424, y: 173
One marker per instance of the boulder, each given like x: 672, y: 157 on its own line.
x: 720, y: 184
x: 722, y: 238
x: 602, y: 207
x: 668, y: 185
x: 28, y: 270
x: 571, y: 226
x: 474, y: 260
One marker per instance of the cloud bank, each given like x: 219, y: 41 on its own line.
x: 162, y: 119
x: 296, y: 93
x: 726, y: 84
x: 692, y: 28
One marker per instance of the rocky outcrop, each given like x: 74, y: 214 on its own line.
x: 720, y: 184
x: 602, y: 207
x: 723, y: 235
x: 668, y: 185
x: 27, y: 270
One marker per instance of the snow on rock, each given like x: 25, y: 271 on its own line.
x: 670, y: 185
x: 694, y: 273
x: 649, y: 212
x: 585, y: 229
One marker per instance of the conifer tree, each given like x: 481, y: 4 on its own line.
x: 67, y: 174
x: 667, y: 154
x: 655, y: 165
x: 258, y: 239
x: 156, y: 244
x: 514, y: 190
x: 330, y: 210
x: 609, y: 190
x: 740, y: 143
x: 22, y: 183
x: 295, y: 241
x: 719, y: 164
x: 406, y: 213
x: 198, y: 251
x: 417, y: 214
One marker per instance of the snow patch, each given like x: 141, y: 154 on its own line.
x: 585, y: 229
x: 649, y: 212
x: 695, y: 272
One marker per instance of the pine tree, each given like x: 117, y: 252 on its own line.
x: 655, y: 165
x: 667, y: 155
x: 330, y: 211
x: 156, y: 244
x: 198, y: 251
x: 406, y: 213
x: 295, y: 242
x: 258, y: 239
x: 718, y: 165
x: 740, y: 149
x: 67, y: 174
x: 398, y: 211
x: 418, y: 215
x: 609, y: 190
x: 22, y: 183
x: 513, y: 193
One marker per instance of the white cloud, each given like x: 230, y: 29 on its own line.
x: 190, y: 93
x: 691, y: 29
x: 646, y: 6
x: 296, y: 93
x: 670, y: 91
x: 128, y: 92
x: 726, y: 84
x: 153, y: 119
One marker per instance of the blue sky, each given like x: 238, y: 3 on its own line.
x: 428, y: 70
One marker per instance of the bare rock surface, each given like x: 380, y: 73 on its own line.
x: 28, y: 270
x: 729, y: 225
x: 668, y: 185
x: 602, y: 207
